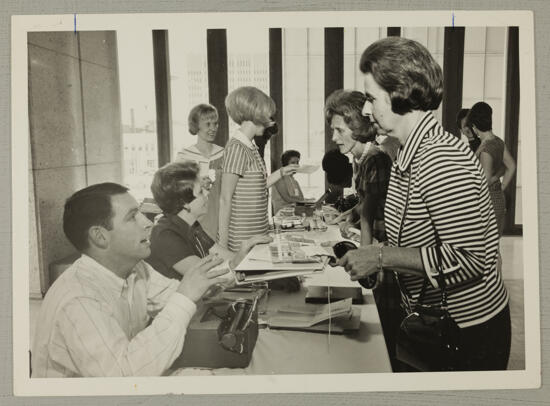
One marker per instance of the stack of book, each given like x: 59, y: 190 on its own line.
x: 285, y: 257
x: 337, y: 317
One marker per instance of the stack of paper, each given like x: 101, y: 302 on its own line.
x: 262, y: 263
x: 316, y: 317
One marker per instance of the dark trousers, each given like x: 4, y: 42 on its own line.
x: 486, y: 347
x: 388, y: 302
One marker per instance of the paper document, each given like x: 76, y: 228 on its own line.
x: 307, y: 316
x: 261, y: 258
x: 307, y: 169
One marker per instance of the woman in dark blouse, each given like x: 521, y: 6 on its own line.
x: 177, y: 240
x: 353, y: 133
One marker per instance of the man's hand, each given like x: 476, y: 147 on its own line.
x: 361, y: 262
x: 198, y: 279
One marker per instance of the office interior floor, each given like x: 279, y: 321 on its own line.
x: 512, y: 270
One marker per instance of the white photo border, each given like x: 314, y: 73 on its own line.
x: 25, y: 386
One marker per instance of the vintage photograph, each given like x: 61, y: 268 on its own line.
x: 274, y: 202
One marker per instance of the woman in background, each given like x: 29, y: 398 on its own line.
x: 494, y: 157
x: 466, y: 133
x: 203, y: 122
x: 244, y: 187
x: 287, y: 190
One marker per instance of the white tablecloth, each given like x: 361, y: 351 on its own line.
x: 295, y: 352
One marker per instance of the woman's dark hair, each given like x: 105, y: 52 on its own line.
x: 173, y: 185
x: 406, y: 70
x: 291, y: 153
x: 89, y: 207
x: 462, y: 113
x: 481, y: 115
x: 338, y: 168
x: 349, y: 104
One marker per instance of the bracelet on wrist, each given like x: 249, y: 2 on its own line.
x: 380, y: 266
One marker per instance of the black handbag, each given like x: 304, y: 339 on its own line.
x: 428, y: 338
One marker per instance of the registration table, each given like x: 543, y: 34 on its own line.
x: 297, y: 352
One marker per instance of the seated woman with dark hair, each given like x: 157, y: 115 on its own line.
x: 177, y: 240
x: 287, y: 189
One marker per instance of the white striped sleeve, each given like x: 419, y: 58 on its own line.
x: 99, y: 347
x: 235, y: 159
x: 453, y: 188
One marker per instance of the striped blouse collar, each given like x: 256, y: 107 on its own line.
x: 407, y: 152
x: 193, y: 149
x: 238, y: 135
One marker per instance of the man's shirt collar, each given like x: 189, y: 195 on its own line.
x: 104, y: 276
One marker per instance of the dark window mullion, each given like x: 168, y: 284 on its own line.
x: 216, y: 41
x: 511, y: 125
x: 334, y: 73
x: 453, y: 68
x: 276, y: 92
x: 161, y: 63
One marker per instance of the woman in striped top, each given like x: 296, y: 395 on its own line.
x: 244, y: 186
x: 203, y: 122
x: 437, y: 200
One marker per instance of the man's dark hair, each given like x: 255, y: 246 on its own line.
x: 406, y: 70
x: 89, y: 207
x: 481, y: 115
x: 291, y: 153
x: 338, y: 169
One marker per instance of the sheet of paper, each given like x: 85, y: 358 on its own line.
x: 307, y: 169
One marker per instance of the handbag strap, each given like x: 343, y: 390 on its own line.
x: 440, y: 277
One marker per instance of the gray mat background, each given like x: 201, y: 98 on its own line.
x: 541, y: 10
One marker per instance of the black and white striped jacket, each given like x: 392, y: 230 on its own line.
x: 438, y: 185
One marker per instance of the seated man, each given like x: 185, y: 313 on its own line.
x: 96, y: 318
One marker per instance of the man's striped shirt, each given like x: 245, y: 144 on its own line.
x: 448, y: 200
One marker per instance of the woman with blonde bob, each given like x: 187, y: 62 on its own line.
x: 244, y: 186
x: 203, y: 122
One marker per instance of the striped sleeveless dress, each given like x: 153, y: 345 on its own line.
x: 249, y: 203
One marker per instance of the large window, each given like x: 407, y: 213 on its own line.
x: 188, y: 80
x: 303, y: 92
x: 137, y: 93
